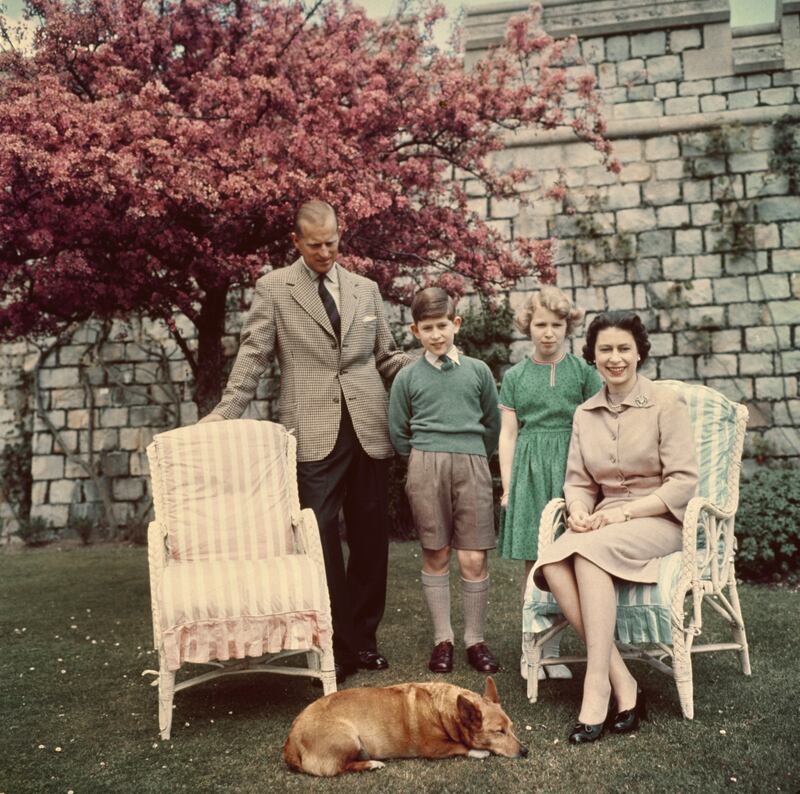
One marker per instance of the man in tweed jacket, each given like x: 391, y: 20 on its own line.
x: 334, y: 346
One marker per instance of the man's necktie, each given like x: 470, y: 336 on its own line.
x: 330, y: 306
x: 446, y: 362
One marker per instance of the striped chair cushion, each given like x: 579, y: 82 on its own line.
x: 219, y: 610
x: 223, y: 490
x: 643, y: 611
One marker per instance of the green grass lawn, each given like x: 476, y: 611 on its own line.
x: 78, y: 716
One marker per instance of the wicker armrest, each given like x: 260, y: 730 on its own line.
x: 551, y: 522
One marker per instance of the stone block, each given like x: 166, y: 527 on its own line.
x: 39, y: 492
x: 660, y: 193
x: 681, y: 106
x: 639, y: 93
x: 667, y: 67
x: 725, y: 187
x: 756, y: 364
x: 607, y: 75
x: 615, y: 96
x: 677, y: 268
x: 113, y: 352
x: 794, y: 284
x: 608, y: 273
x: 666, y: 90
x: 63, y: 492
x: 708, y: 266
x: 698, y: 292
x: 692, y: 342
x: 787, y: 412
x: 655, y: 243
x: 677, y: 367
x: 716, y: 366
x: 742, y: 99
x: 622, y: 196
x: 639, y: 297
x: 784, y: 312
x: 769, y: 337
x: 639, y: 110
x: 789, y: 361
x: 724, y: 85
x: 636, y: 220
x: 67, y: 398
x: 78, y: 419
x: 777, y: 96
x: 70, y: 355
x: 42, y: 443
x: 113, y: 417
x: 710, y: 317
x: 618, y: 48
x: 750, y: 161
x: 47, y: 467
x: 74, y: 471
x: 631, y: 72
x: 635, y: 172
x: 684, y: 39
x: 135, y: 351
x: 67, y: 442
x: 758, y: 81
x: 127, y: 489
x: 775, y: 388
x: 769, y: 286
x: 147, y: 416
x: 779, y: 208
x: 620, y: 297
x: 651, y: 43
x: 730, y: 290
x: 729, y: 341
x: 786, y: 261
x: 140, y: 466
x: 503, y: 208
x: 704, y: 167
x: 745, y: 314
x: 766, y: 183
x: 672, y: 216
x: 751, y: 262
x: 590, y: 299
x: 645, y: 270
x: 790, y: 233
x: 696, y: 87
x: 188, y: 413
x: 786, y: 440
x: 661, y: 345
x: 688, y: 241
x: 593, y: 50
x: 61, y: 378
x: 705, y: 214
x: 115, y: 464
x: 667, y: 170
x: 713, y: 103
x: 733, y: 388
x: 105, y: 440
x: 696, y: 191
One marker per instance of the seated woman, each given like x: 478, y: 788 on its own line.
x: 631, y: 471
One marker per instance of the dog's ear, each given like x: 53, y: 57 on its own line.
x: 491, y: 691
x: 468, y: 713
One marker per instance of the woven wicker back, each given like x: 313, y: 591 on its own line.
x: 222, y: 489
x: 717, y: 440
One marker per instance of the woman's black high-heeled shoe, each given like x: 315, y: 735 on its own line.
x: 628, y: 721
x: 583, y: 732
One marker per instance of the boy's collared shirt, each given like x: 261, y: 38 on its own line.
x: 452, y: 354
x: 331, y: 280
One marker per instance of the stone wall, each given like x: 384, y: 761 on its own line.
x: 700, y: 233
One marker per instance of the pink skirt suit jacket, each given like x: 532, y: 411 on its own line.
x: 616, y: 457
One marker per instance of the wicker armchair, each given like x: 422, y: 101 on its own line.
x: 237, y: 579
x: 653, y: 615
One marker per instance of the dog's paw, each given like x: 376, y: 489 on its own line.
x: 478, y: 754
x: 375, y: 765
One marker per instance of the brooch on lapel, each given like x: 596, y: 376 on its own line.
x: 369, y: 319
x: 640, y: 401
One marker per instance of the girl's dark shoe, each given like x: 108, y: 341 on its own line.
x: 583, y: 733
x: 628, y: 721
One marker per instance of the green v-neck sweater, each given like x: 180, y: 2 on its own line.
x: 452, y: 410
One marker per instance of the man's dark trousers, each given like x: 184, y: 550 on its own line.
x: 348, y: 478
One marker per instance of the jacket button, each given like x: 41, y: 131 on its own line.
x: 613, y: 459
x: 343, y: 372
x: 613, y: 436
x: 333, y: 345
x: 336, y: 399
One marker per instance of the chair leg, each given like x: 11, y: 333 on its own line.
x: 682, y: 670
x: 739, y: 633
x: 166, y: 692
x: 533, y: 656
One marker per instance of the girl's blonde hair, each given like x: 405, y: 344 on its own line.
x: 556, y: 301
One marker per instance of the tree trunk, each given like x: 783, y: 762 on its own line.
x: 210, y: 372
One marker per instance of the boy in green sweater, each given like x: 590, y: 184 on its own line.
x: 443, y: 415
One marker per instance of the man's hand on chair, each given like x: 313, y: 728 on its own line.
x: 212, y: 417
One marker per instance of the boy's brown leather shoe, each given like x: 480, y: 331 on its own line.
x: 441, y: 660
x: 482, y: 659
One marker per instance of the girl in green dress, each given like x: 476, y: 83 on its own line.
x: 538, y: 398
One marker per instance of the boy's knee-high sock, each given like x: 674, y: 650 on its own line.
x: 436, y: 588
x: 475, y: 596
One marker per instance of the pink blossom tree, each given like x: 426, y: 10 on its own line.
x: 152, y: 155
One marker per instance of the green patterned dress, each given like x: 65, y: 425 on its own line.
x: 544, y: 397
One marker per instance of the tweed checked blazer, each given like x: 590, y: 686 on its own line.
x: 287, y: 320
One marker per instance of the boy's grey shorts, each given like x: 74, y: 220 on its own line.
x: 451, y: 500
